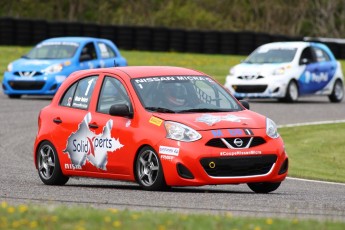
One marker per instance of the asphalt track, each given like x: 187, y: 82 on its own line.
x: 19, y: 182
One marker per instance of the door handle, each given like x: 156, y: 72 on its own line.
x: 93, y: 126
x: 57, y: 120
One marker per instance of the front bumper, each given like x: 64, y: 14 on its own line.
x: 42, y: 85
x: 198, y: 164
x: 260, y: 88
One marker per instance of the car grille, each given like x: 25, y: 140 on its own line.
x: 27, y: 73
x: 249, y: 88
x: 247, y: 142
x: 239, y: 166
x: 26, y: 85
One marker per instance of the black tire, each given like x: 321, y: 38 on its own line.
x: 337, y: 92
x: 292, y: 93
x: 14, y: 96
x: 149, y: 171
x: 264, y: 187
x: 48, y: 164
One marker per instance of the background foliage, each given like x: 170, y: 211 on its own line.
x: 320, y: 18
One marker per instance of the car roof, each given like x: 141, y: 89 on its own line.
x: 147, y: 71
x: 288, y: 44
x: 73, y: 39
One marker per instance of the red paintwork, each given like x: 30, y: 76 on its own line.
x: 140, y: 132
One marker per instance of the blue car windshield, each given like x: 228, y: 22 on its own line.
x: 184, y: 94
x: 271, y: 55
x: 53, y: 50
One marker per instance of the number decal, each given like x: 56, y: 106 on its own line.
x: 88, y: 86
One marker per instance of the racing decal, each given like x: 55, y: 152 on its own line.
x: 169, y: 150
x: 156, y: 121
x: 85, y: 146
x: 315, y: 78
x: 240, y: 153
x: 210, y: 119
x: 167, y: 157
x: 231, y: 132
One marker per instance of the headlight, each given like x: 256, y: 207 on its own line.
x: 279, y: 71
x: 180, y: 132
x: 53, y: 68
x: 271, y: 129
x: 232, y: 71
x: 9, y: 67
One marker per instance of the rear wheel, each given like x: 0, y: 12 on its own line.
x: 49, y: 169
x: 337, y: 92
x: 264, y: 187
x: 291, y: 94
x: 149, y: 171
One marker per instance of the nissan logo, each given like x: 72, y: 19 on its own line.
x: 238, y: 142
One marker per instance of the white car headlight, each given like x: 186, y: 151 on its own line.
x: 232, y: 71
x: 271, y: 129
x: 279, y: 71
x: 53, y: 68
x: 10, y: 67
x: 180, y: 132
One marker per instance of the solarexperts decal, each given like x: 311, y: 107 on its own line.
x: 84, y: 145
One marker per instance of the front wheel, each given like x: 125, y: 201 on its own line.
x: 49, y: 166
x: 337, y: 92
x: 264, y: 187
x: 149, y: 171
x: 291, y: 94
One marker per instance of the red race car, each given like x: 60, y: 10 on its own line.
x: 158, y: 126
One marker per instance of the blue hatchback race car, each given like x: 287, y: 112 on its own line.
x: 50, y: 62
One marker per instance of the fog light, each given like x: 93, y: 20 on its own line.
x: 184, y: 172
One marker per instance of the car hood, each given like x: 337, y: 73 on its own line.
x: 244, y: 68
x: 210, y: 121
x: 24, y: 64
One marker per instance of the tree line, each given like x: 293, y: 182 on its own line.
x: 315, y: 18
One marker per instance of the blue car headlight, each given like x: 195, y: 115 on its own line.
x: 53, y: 68
x: 10, y: 67
x: 271, y: 129
x: 180, y: 132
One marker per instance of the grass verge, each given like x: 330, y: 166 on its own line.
x: 82, y: 218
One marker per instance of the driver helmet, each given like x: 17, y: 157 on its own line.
x: 176, y: 94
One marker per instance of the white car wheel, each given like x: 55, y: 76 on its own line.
x: 291, y: 92
x: 338, y: 92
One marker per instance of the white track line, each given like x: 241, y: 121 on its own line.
x: 316, y: 181
x: 312, y: 123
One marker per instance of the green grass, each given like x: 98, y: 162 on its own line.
x: 84, y: 218
x: 316, y: 151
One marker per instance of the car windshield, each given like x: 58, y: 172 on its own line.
x: 184, y: 94
x: 271, y: 55
x: 53, y: 50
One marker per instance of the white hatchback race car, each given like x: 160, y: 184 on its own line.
x: 288, y: 70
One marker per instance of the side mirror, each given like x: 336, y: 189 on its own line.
x: 121, y: 110
x: 245, y: 104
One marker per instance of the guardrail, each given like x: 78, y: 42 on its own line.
x: 26, y: 32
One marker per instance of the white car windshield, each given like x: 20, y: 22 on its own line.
x: 53, y: 50
x: 271, y: 55
x: 184, y: 94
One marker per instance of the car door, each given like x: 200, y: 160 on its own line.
x: 318, y: 72
x: 115, y: 133
x: 73, y: 132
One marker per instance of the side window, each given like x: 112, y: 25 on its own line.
x: 106, y: 50
x: 307, y: 55
x: 112, y: 93
x: 79, y: 94
x: 321, y: 55
x: 88, y: 52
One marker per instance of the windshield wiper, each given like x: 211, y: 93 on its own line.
x: 160, y: 110
x: 205, y: 110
